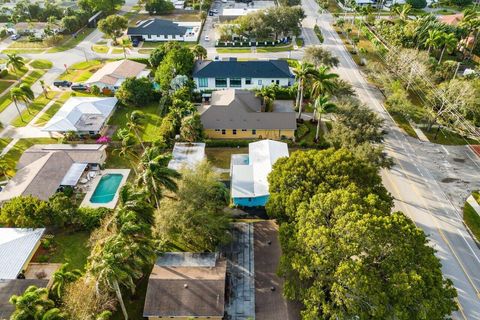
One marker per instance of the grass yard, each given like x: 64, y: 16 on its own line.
x: 472, y: 220
x: 81, y: 71
x: 100, y: 48
x: 5, y: 101
x: 33, y: 109
x: 117, y: 50
x: 151, y: 123
x: 71, y: 42
x: 220, y: 157
x: 134, y: 304
x: 258, y: 49
x: 20, y: 50
x: 71, y: 247
x: 53, y: 109
x: 17, y: 74
x: 4, y: 142
x: 33, y: 76
x: 41, y: 64
x: 4, y: 85
x: 14, y: 154
x: 114, y: 160
x: 447, y: 137
x: 27, y: 44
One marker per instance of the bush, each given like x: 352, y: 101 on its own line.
x: 3, y: 73
x: 417, y: 4
x: 90, y: 218
x: 228, y: 143
x: 302, y: 131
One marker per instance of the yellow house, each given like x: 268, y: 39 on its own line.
x: 238, y: 114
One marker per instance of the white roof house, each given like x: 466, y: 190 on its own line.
x: 17, y: 247
x: 82, y: 114
x: 249, y: 176
x: 187, y: 155
x: 112, y: 74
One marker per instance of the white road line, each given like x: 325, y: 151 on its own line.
x: 471, y: 249
x: 445, y: 150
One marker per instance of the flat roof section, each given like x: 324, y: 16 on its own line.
x: 270, y: 304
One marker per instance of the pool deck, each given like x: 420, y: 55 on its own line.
x: 110, y: 205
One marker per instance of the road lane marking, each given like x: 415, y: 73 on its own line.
x: 445, y: 150
x: 476, y: 257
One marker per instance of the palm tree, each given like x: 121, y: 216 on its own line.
x: 4, y: 167
x: 433, y: 40
x: 199, y: 52
x: 54, y: 314
x: 471, y: 22
x: 321, y: 106
x: 449, y: 41
x: 402, y: 11
x: 268, y: 95
x: 15, y: 62
x: 302, y: 73
x: 125, y: 43
x: 155, y: 175
x: 324, y: 81
x: 61, y: 277
x: 32, y: 304
x: 17, y: 95
x: 28, y: 96
x: 44, y: 88
x: 134, y: 120
x: 317, y: 56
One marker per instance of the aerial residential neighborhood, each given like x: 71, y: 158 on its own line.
x: 239, y: 159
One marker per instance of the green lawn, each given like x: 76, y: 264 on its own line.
x: 20, y: 50
x: 134, y: 304
x: 71, y: 247
x: 33, y: 109
x: 115, y: 161
x: 33, y: 77
x: 53, y: 109
x: 447, y: 137
x: 151, y: 123
x: 4, y: 142
x: 5, y: 101
x: 27, y: 44
x: 71, y: 42
x: 4, y: 85
x: 220, y: 157
x: 15, y: 75
x: 472, y: 220
x: 81, y: 71
x: 41, y: 64
x: 30, y: 79
x: 14, y: 154
x: 100, y: 48
x: 117, y: 50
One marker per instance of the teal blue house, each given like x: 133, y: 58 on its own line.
x: 249, y: 172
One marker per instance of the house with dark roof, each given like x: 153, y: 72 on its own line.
x: 230, y: 73
x: 238, y: 114
x: 165, y: 30
x: 186, y: 285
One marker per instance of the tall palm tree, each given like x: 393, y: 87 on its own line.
x: 17, y: 95
x: 62, y: 277
x: 321, y: 106
x: 449, y: 41
x: 324, y: 81
x: 433, y: 39
x: 155, y: 174
x: 4, y: 167
x: 268, y: 95
x: 199, y: 52
x: 125, y: 43
x: 15, y: 62
x: 302, y: 73
x: 134, y: 121
x: 28, y: 96
x: 471, y: 22
x: 32, y: 304
x: 44, y: 88
x: 403, y: 11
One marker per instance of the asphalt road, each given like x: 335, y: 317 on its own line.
x: 416, y: 190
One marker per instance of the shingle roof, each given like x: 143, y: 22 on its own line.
x: 17, y: 287
x: 242, y: 69
x: 186, y: 285
x: 16, y: 247
x: 240, y: 109
x: 111, y: 72
x: 157, y: 27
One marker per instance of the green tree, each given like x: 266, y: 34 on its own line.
x: 17, y: 95
x: 317, y: 56
x: 195, y: 219
x: 433, y: 40
x: 62, y: 277
x: 323, y: 81
x: 25, y: 212
x: 417, y: 4
x: 449, y: 43
x: 178, y: 61
x: 44, y: 88
x: 321, y: 106
x: 28, y: 95
x: 4, y: 168
x: 15, y: 62
x: 199, y: 52
x: 303, y: 73
x: 32, y: 304
x: 70, y: 23
x: 125, y: 43
x: 191, y: 129
x: 113, y: 26
x: 134, y: 123
x: 136, y: 92
x: 267, y: 95
x: 158, y: 6
x: 159, y: 53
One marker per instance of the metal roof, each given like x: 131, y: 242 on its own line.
x: 73, y: 174
x: 157, y: 27
x: 16, y: 247
x: 242, y: 69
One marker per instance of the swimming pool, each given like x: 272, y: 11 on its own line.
x: 106, y: 188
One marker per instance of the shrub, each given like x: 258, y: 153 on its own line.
x: 417, y: 4
x: 89, y: 218
x: 3, y: 73
x: 228, y: 143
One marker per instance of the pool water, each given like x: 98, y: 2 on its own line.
x: 106, y: 188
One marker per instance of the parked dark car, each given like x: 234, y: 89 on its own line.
x: 63, y: 83
x: 79, y: 87
x: 135, y: 42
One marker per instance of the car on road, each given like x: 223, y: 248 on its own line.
x: 224, y: 1
x: 79, y: 87
x: 15, y: 36
x: 207, y: 38
x: 135, y: 42
x: 62, y: 83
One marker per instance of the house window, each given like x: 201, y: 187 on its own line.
x: 235, y: 82
x: 203, y: 82
x: 234, y: 131
x: 244, y: 130
x: 259, y: 82
x: 220, y: 82
x: 224, y: 131
x: 254, y: 131
x: 248, y: 81
x: 273, y: 81
x: 277, y: 81
x: 217, y: 130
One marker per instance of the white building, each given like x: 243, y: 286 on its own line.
x: 83, y: 115
x: 113, y: 74
x: 230, y: 73
x: 165, y: 30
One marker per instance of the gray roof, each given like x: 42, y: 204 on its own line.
x: 16, y: 247
x: 17, y: 287
x: 186, y: 259
x: 232, y: 68
x: 240, y: 109
x: 156, y: 27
